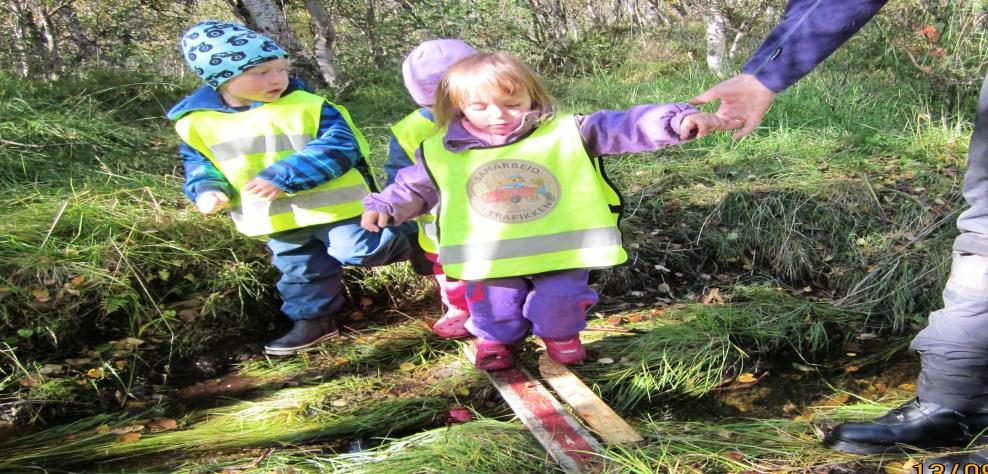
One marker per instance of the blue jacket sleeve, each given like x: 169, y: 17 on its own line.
x: 201, y: 175
x: 809, y: 32
x: 397, y: 159
x: 329, y: 156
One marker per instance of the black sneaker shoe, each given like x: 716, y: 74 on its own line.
x: 978, y: 462
x: 305, y: 333
x: 917, y: 424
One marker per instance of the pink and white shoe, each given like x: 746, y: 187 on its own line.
x: 566, y: 351
x: 492, y: 355
x: 452, y: 325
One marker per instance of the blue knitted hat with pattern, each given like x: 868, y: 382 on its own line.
x: 219, y: 51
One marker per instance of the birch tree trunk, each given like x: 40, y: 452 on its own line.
x: 268, y: 17
x: 716, y: 22
x: 370, y: 29
x: 324, y: 35
x: 745, y: 28
x: 20, y: 45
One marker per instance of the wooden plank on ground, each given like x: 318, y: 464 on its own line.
x: 607, y: 424
x: 562, y: 436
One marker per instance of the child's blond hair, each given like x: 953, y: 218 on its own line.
x: 484, y: 75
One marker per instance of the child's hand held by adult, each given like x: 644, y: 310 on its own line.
x: 264, y: 189
x: 374, y: 221
x: 700, y: 124
x: 211, y: 202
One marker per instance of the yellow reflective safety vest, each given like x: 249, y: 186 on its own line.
x: 242, y: 144
x: 529, y: 207
x: 410, y: 132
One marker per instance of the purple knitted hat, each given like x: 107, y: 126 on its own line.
x: 425, y: 65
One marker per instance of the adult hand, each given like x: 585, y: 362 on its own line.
x: 264, y: 189
x: 211, y: 202
x: 743, y: 102
x: 374, y: 221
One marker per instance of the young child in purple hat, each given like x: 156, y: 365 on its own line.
x: 524, y: 210
x: 422, y: 70
x: 286, y: 164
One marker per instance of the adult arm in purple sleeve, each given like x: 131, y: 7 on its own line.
x: 411, y: 195
x: 641, y: 128
x: 810, y: 31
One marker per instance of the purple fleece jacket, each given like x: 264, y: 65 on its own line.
x: 810, y: 31
x: 607, y: 132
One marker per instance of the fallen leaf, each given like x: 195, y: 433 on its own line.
x: 96, y: 373
x: 41, y: 295
x: 803, y: 367
x: 713, y: 297
x: 339, y: 403
x: 52, y: 369
x: 188, y: 315
x: 900, y: 467
x: 460, y: 414
x: 162, y: 424
x: 407, y: 366
x: 615, y: 320
x: 747, y: 378
x: 133, y: 341
x: 78, y: 281
x: 734, y: 455
x: 129, y: 437
x: 852, y: 368
x: 634, y: 318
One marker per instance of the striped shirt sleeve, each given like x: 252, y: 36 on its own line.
x: 201, y: 175
x: 329, y: 156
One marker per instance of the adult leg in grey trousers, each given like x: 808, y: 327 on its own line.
x: 951, y: 404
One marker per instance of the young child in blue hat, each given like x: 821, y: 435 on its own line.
x: 285, y: 164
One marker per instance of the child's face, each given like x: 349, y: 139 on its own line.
x: 262, y: 83
x: 498, y: 114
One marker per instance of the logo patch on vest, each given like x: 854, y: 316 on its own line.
x: 512, y: 191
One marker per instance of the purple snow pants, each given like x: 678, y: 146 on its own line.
x: 553, y: 305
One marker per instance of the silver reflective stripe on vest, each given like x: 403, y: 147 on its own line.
x: 314, y: 200
x: 262, y: 144
x: 529, y: 246
x: 429, y: 227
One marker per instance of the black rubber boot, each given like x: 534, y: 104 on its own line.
x: 972, y: 462
x: 916, y: 424
x: 306, y: 333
